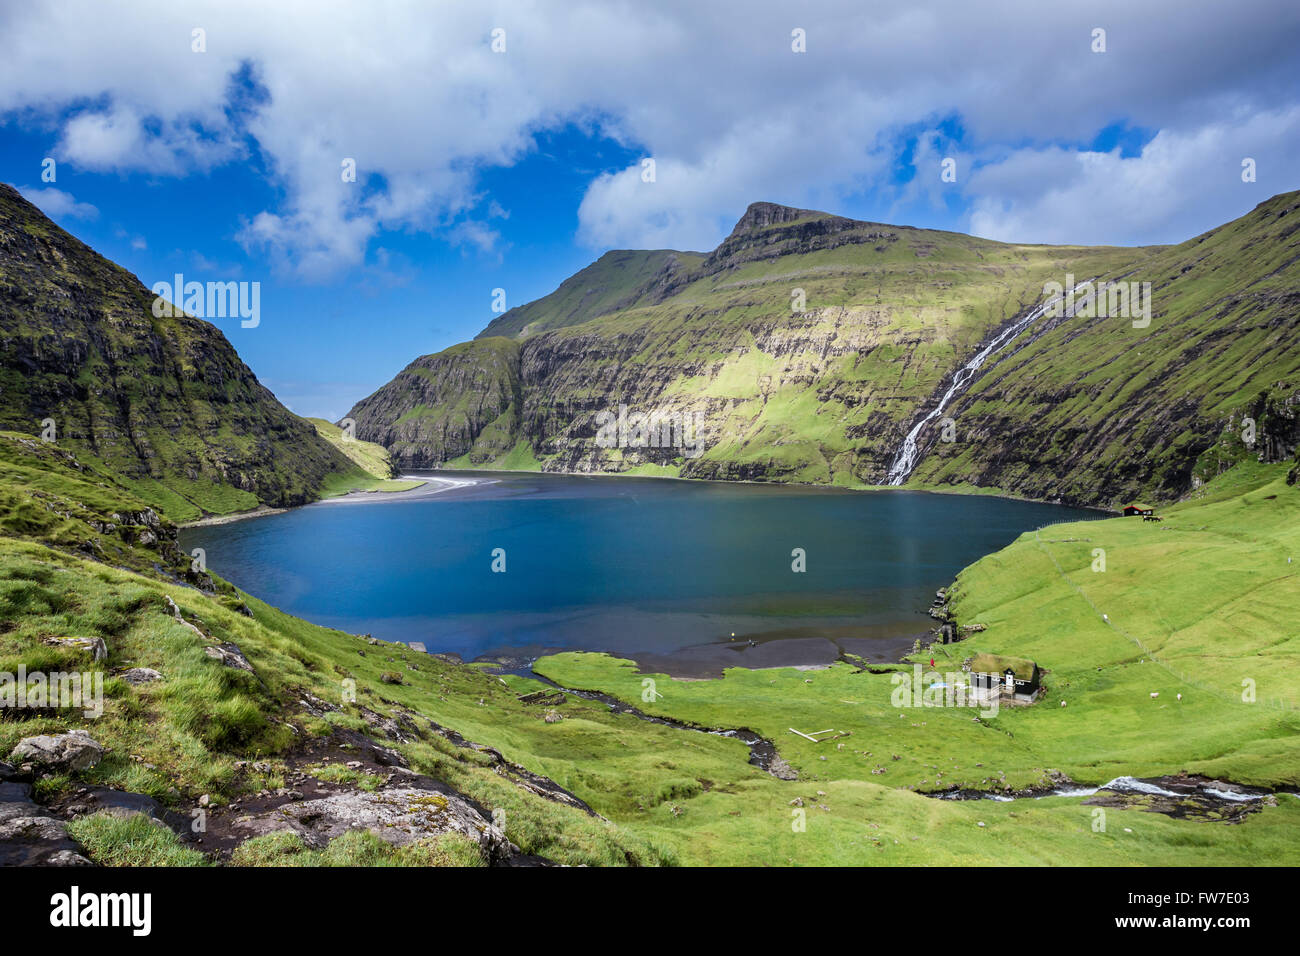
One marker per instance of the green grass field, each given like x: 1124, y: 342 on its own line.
x: 671, y: 795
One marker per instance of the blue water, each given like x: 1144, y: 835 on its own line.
x: 660, y: 570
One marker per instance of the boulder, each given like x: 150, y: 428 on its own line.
x: 94, y: 646
x: 74, y: 751
x: 397, y: 814
x: 141, y: 675
x: 230, y: 655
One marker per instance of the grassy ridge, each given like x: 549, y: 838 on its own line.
x: 1094, y: 409
x: 162, y: 401
x: 617, y: 280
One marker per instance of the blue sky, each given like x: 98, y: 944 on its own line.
x: 325, y: 343
x: 481, y: 168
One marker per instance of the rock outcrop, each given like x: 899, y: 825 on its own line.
x: 72, y: 752
x: 398, y: 814
x: 29, y: 835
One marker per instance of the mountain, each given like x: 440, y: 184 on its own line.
x: 465, y: 398
x: 1076, y: 407
x: 1092, y: 408
x: 618, y: 280
x: 164, y: 403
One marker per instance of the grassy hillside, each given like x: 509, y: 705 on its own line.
x: 373, y: 459
x: 1208, y: 593
x: 243, y: 738
x: 165, y: 402
x: 205, y: 728
x: 374, y: 467
x: 1093, y: 409
x: 618, y: 280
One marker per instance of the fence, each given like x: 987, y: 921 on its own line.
x: 1074, y: 521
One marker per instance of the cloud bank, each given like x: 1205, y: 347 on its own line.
x: 419, y: 98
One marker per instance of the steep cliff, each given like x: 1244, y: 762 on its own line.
x: 1100, y: 407
x: 462, y: 401
x: 805, y: 346
x: 165, y: 403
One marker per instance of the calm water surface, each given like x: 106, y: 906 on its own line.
x: 664, y: 571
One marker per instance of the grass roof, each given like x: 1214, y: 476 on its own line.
x: 998, y: 664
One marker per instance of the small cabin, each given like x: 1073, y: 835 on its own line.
x: 1014, y: 677
x: 1134, y: 510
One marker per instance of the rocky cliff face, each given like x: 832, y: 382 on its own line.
x: 806, y: 345
x: 464, y: 401
x: 164, y: 401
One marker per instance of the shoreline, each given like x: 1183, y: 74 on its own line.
x: 263, y: 511
x: 428, y: 486
x: 259, y: 512
x: 976, y: 491
x: 711, y: 661
x: 452, y: 484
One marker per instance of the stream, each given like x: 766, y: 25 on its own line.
x: 762, y: 752
x: 1181, y: 796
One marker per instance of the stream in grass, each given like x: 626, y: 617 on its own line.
x: 662, y: 571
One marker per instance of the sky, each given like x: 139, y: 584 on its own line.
x: 504, y: 145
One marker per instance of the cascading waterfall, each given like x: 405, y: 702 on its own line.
x: 905, y: 459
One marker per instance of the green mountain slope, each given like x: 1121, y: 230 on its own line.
x: 463, y: 401
x: 165, y: 403
x: 1093, y: 409
x: 620, y: 279
x: 803, y: 346
x: 305, y: 706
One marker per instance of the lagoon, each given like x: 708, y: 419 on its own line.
x: 684, y: 576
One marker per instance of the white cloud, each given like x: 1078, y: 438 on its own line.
x: 58, y: 204
x: 477, y: 235
x: 1180, y: 185
x: 413, y: 93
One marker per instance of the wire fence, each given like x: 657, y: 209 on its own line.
x: 1075, y: 521
x: 1281, y: 703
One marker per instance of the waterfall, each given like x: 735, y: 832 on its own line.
x: 905, y: 458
